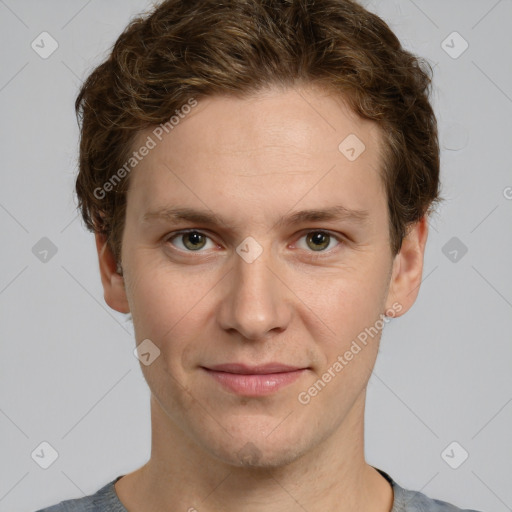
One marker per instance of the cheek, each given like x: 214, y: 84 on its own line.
x: 170, y: 310
x: 349, y: 302
x: 166, y: 303
x: 352, y: 309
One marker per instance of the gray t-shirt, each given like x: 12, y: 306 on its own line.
x: 106, y: 500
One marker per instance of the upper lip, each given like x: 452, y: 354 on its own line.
x: 259, y: 369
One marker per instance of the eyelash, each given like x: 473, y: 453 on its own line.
x: 314, y: 254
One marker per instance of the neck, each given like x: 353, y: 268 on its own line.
x: 331, y: 476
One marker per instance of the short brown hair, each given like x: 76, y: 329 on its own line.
x: 197, y: 48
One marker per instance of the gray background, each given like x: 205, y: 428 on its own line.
x: 68, y: 374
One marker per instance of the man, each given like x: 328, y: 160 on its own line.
x: 258, y: 175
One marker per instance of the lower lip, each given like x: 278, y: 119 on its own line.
x: 255, y: 385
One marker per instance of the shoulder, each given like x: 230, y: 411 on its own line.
x: 414, y: 501
x: 104, y: 500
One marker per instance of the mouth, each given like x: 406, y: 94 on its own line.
x: 258, y: 380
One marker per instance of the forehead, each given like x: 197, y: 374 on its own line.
x: 265, y: 152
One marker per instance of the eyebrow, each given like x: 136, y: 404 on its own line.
x: 209, y: 218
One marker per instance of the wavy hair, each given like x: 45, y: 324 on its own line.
x: 186, y: 49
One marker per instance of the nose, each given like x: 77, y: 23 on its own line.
x: 255, y: 299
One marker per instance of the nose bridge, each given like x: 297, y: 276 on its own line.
x: 254, y: 303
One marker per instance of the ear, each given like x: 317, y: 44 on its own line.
x: 407, y: 269
x: 113, y: 283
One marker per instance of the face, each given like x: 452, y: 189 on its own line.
x: 252, y: 239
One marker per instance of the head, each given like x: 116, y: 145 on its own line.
x: 246, y: 113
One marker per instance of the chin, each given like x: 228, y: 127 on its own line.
x: 256, y: 454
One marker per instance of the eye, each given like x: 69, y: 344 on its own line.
x: 191, y: 241
x: 318, y: 240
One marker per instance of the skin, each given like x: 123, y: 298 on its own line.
x: 253, y: 161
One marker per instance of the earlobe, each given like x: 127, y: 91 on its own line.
x: 407, y: 269
x: 113, y: 282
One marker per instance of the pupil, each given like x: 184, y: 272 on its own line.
x: 194, y: 240
x: 319, y: 238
